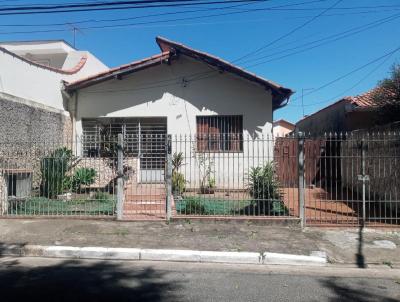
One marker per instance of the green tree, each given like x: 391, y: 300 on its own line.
x: 387, y: 97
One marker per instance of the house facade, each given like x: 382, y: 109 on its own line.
x: 219, y: 117
x: 181, y: 92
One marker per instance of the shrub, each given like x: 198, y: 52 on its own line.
x: 192, y: 206
x: 178, y: 179
x: 82, y: 177
x: 53, y: 171
x: 264, y: 188
x: 178, y: 183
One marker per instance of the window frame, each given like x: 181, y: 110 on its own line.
x: 232, y: 142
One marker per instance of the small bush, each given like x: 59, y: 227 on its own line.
x: 264, y: 189
x: 263, y: 183
x: 83, y: 177
x: 192, y: 206
x: 178, y: 179
x: 53, y: 172
x: 178, y: 183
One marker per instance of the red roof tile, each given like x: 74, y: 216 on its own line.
x: 169, y: 49
x: 84, y: 82
x: 369, y: 99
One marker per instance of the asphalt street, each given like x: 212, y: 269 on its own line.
x: 41, y: 279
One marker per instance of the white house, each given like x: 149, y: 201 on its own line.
x: 181, y: 91
x: 31, y: 77
x: 219, y: 116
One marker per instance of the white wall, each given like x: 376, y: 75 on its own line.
x: 40, y: 85
x: 158, y: 91
x: 280, y: 130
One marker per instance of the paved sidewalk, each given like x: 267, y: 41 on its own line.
x: 341, y: 245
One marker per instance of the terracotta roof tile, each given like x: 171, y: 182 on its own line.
x: 112, y: 71
x: 169, y: 48
x: 370, y: 98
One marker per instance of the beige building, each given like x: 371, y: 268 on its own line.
x: 282, y: 128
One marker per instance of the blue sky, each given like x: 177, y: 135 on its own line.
x: 233, y: 35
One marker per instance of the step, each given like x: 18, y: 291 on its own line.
x: 144, y: 207
x: 139, y: 198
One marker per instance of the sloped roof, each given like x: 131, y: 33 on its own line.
x: 370, y: 99
x: 170, y: 51
x: 367, y: 101
x: 279, y: 92
x: 72, y: 70
x: 283, y: 122
x: 118, y: 71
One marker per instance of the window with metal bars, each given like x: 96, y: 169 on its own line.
x: 220, y: 133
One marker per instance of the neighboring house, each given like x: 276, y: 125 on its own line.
x: 180, y: 91
x: 348, y: 114
x: 33, y: 108
x: 32, y: 105
x: 282, y: 128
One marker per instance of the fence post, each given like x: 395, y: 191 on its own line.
x: 168, y: 177
x: 300, y: 169
x: 120, y: 176
x: 364, y: 178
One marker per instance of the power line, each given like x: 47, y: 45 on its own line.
x: 350, y: 72
x: 287, y: 34
x: 131, y: 18
x: 350, y: 88
x: 88, y: 5
x: 23, y: 12
x: 133, y: 24
x: 329, y: 39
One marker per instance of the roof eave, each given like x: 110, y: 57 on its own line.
x: 279, y: 93
x: 118, y: 73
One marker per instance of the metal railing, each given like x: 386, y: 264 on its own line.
x: 51, y: 178
x: 226, y: 175
x: 334, y: 179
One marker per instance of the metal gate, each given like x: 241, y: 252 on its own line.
x: 341, y: 179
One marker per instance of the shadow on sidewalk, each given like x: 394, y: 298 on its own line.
x: 345, y: 293
x: 83, y: 281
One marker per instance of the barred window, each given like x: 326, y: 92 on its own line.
x: 220, y: 133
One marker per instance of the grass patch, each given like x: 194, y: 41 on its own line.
x: 210, y: 206
x: 225, y: 207
x: 44, y: 206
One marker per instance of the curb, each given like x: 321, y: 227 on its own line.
x: 70, y: 252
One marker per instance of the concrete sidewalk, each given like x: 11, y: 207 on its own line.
x: 341, y: 245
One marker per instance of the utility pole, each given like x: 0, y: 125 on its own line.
x: 302, y: 98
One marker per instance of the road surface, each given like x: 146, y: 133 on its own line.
x: 41, y: 279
